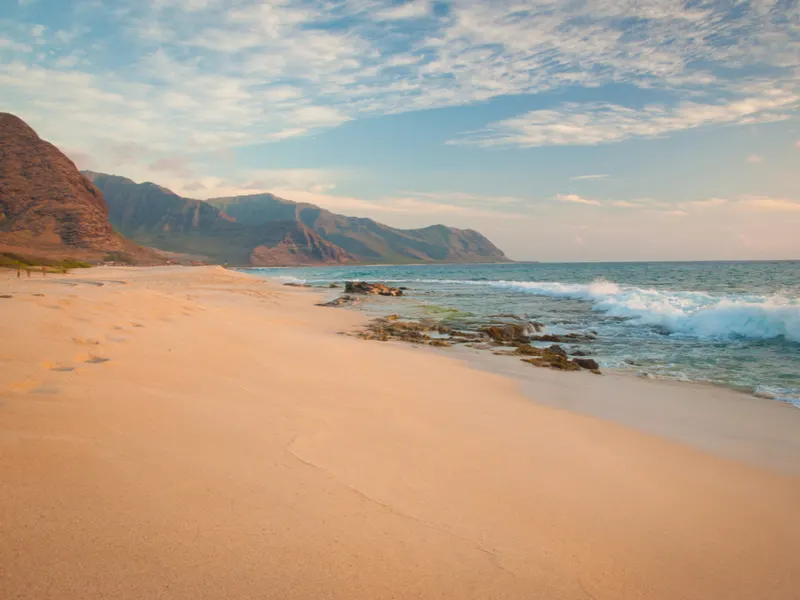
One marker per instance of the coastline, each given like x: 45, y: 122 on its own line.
x: 198, y: 433
x: 710, y: 417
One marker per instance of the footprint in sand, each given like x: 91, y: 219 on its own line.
x: 6, y: 296
x: 45, y: 390
x: 85, y: 341
x: 26, y: 385
x: 96, y: 360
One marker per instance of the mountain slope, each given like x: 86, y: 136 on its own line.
x: 263, y: 229
x: 47, y: 207
x: 158, y: 217
x: 368, y: 239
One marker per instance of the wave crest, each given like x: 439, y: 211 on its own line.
x: 696, y: 314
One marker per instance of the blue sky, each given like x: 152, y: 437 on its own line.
x: 568, y: 130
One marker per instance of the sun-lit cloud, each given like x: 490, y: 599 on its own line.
x: 755, y: 159
x: 269, y: 71
x: 627, y: 204
x: 709, y: 203
x: 576, y: 199
x: 411, y: 9
x: 768, y: 204
x: 601, y: 123
x: 590, y: 177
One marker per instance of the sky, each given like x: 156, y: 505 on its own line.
x: 573, y: 130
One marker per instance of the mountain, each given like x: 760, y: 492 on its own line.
x: 264, y: 230
x: 156, y: 216
x: 369, y: 240
x: 48, y: 209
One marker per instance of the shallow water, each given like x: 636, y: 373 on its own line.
x: 730, y: 323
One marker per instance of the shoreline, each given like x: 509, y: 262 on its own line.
x: 711, y: 417
x: 759, y: 366
x: 200, y: 433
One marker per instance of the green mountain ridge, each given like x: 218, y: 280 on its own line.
x: 265, y: 230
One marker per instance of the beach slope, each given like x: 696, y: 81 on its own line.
x: 194, y: 433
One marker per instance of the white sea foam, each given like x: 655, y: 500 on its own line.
x: 690, y: 313
x: 696, y: 314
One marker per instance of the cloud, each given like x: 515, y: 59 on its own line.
x: 768, y: 204
x: 575, y: 199
x: 755, y: 159
x: 626, y: 204
x: 174, y: 165
x: 585, y: 177
x: 601, y: 123
x: 412, y: 9
x: 267, y: 71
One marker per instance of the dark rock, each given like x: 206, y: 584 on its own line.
x: 364, y: 287
x: 440, y: 343
x: 299, y: 285
x: 553, y: 361
x: 587, y: 363
x: 547, y: 338
x: 557, y: 350
x: 566, y: 338
x: 580, y: 353
x: 528, y: 350
x: 341, y: 301
x: 334, y: 285
x: 512, y: 332
x: 6, y: 296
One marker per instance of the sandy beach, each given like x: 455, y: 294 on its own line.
x: 195, y: 433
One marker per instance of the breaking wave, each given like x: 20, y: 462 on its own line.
x: 696, y: 314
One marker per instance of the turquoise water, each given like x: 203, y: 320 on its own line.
x: 731, y: 323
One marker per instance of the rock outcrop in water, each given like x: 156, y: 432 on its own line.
x: 376, y: 289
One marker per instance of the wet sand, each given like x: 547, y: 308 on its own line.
x: 195, y: 433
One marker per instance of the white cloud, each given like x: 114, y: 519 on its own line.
x: 710, y: 203
x: 586, y: 177
x: 755, y: 159
x: 626, y: 204
x: 246, y: 56
x: 768, y: 204
x: 412, y: 9
x: 576, y: 199
x: 599, y: 123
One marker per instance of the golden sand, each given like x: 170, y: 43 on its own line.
x: 192, y: 433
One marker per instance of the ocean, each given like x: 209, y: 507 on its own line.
x: 735, y: 324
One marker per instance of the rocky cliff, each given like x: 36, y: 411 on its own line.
x: 47, y: 207
x: 367, y: 239
x: 263, y: 229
